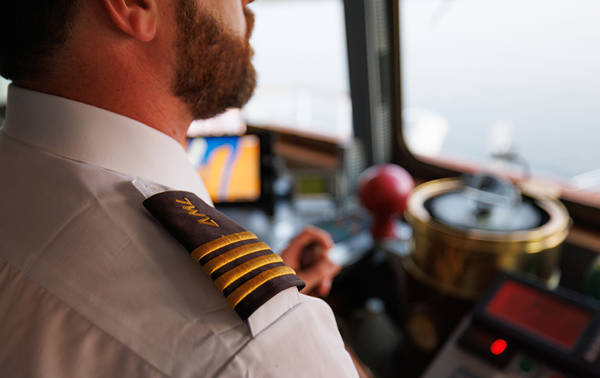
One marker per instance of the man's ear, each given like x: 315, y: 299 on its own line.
x: 137, y: 18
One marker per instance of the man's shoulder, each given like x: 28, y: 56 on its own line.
x: 82, y: 233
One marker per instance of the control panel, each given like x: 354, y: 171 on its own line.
x: 521, y: 329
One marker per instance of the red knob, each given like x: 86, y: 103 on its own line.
x: 384, y: 190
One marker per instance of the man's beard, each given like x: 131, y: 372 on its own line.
x: 213, y: 66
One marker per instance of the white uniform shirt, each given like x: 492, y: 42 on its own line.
x: 92, y: 286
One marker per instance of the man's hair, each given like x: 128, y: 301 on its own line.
x: 31, y: 31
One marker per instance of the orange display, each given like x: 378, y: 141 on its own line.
x: 229, y: 166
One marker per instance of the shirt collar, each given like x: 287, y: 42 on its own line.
x: 88, y: 134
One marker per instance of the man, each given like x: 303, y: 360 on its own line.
x: 90, y: 283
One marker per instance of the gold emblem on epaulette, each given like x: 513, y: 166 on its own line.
x: 242, y: 267
x: 191, y: 209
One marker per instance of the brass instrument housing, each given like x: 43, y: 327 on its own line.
x: 464, y: 262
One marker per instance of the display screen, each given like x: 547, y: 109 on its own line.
x: 229, y: 166
x: 543, y: 315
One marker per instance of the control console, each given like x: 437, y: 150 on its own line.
x: 521, y: 329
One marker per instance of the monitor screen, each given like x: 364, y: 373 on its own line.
x: 543, y: 315
x: 229, y: 166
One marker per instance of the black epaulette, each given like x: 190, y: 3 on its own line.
x: 242, y: 267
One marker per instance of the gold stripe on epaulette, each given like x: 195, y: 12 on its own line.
x: 248, y: 287
x: 211, y: 266
x: 221, y: 242
x: 234, y: 274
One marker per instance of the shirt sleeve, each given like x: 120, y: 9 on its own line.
x: 304, y: 342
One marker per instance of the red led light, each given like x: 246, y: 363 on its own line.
x: 498, y: 347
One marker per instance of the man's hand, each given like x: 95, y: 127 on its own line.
x: 316, y: 269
